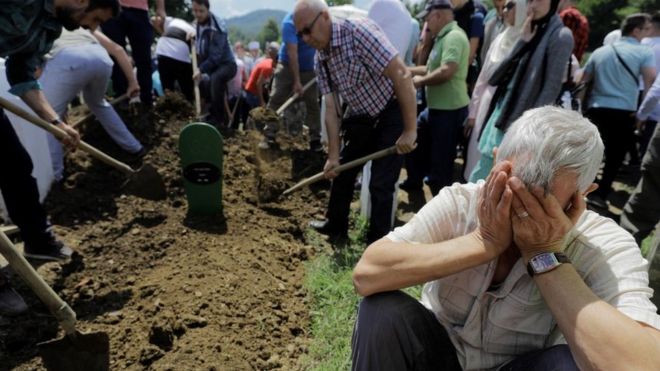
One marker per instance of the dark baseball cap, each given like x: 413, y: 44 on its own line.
x: 435, y: 4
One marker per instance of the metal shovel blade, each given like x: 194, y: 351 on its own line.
x: 81, y: 352
x: 146, y: 183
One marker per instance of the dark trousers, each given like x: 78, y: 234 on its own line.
x: 360, y: 139
x: 438, y: 132
x: 134, y: 24
x: 393, y: 331
x: 642, y: 211
x: 214, y: 90
x: 172, y: 71
x: 617, y: 128
x: 19, y: 188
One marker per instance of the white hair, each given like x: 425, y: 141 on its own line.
x: 314, y: 5
x: 549, y: 139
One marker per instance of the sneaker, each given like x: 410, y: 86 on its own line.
x: 51, y: 250
x: 11, y: 303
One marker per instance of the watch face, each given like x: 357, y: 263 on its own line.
x: 543, y: 262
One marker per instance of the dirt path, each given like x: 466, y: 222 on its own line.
x: 175, y: 292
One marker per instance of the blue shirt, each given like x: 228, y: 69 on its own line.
x: 613, y: 86
x: 305, y: 52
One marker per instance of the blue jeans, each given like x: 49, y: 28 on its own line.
x: 438, y: 133
x: 393, y: 331
x: 134, y: 24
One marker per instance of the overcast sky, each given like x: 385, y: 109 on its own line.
x: 231, y: 8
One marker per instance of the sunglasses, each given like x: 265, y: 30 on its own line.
x: 307, y: 30
x: 510, y: 5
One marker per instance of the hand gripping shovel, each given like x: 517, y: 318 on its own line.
x: 76, y: 351
x: 144, y: 182
x: 340, y: 168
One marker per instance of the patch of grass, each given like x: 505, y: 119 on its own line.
x: 333, y: 299
x: 646, y: 245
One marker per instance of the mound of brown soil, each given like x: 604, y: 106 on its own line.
x: 173, y: 291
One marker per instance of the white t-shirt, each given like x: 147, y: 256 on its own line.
x: 394, y: 19
x: 489, y: 328
x: 171, y: 47
x: 235, y: 85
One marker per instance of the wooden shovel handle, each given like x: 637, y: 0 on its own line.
x: 60, y: 134
x: 294, y: 97
x: 61, y: 310
x: 340, y: 168
x: 193, y: 56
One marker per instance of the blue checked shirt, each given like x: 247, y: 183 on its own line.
x: 27, y: 31
x: 358, y: 54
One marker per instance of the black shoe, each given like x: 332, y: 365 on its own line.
x: 324, y: 227
x: 50, y: 250
x: 11, y: 303
x: 408, y: 186
x: 315, y: 146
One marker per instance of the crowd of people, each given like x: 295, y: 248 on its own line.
x: 517, y: 272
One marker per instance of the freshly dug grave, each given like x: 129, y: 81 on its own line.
x: 173, y: 291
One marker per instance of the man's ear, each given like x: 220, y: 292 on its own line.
x: 591, y: 188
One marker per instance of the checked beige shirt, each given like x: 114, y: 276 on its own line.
x: 491, y: 327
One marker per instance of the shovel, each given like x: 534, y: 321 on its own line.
x: 144, y: 182
x: 340, y: 168
x: 76, y: 351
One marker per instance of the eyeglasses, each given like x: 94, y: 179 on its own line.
x: 308, y: 29
x: 509, y: 5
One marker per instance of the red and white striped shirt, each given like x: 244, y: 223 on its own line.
x: 358, y: 54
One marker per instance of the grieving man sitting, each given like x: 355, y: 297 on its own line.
x: 517, y: 274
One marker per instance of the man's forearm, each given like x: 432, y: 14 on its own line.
x: 600, y: 337
x: 388, y: 265
x: 36, y: 100
x: 417, y: 70
x: 405, y: 93
x: 332, y: 125
x: 294, y: 67
x: 440, y: 75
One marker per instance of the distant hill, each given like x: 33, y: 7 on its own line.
x: 250, y: 24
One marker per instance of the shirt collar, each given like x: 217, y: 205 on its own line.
x: 445, y: 30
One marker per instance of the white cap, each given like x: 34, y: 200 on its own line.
x: 273, y: 45
x: 253, y: 45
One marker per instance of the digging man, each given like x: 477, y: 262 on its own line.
x: 356, y: 61
x: 27, y: 31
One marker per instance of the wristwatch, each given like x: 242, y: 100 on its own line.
x: 56, y: 121
x: 545, y: 262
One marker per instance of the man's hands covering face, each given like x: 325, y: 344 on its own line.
x: 494, y: 211
x: 538, y: 221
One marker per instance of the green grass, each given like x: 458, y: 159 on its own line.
x: 333, y: 299
x: 646, y: 245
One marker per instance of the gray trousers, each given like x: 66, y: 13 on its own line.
x: 85, y: 68
x: 282, y: 89
x: 642, y: 211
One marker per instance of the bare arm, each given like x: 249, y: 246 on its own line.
x: 160, y: 8
x: 332, y: 125
x: 600, y: 336
x: 119, y: 54
x: 404, y: 90
x: 438, y: 76
x: 388, y: 265
x: 36, y: 100
x: 292, y: 52
x: 417, y: 70
x: 648, y: 74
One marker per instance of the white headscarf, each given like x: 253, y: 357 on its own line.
x: 505, y: 41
